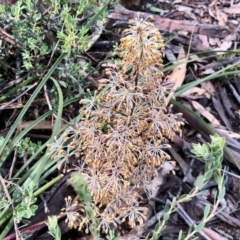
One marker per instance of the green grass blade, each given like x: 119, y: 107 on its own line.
x: 26, y: 164
x: 25, y: 176
x: 198, y: 123
x: 28, y: 104
x: 17, y: 87
x: 48, y: 185
x: 35, y: 175
x: 6, y: 229
x: 41, y: 118
x: 97, y: 15
x: 57, y: 124
x: 217, y: 74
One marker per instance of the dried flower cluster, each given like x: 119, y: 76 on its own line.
x: 126, y: 128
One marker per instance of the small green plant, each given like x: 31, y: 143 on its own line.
x: 53, y: 228
x: 26, y: 204
x: 212, y: 154
x: 81, y: 187
x: 25, y: 201
x: 46, y: 38
x: 27, y: 148
x: 89, y: 211
x: 42, y: 30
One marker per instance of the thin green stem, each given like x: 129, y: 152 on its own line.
x: 48, y: 185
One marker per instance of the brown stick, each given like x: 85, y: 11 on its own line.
x: 120, y: 14
x: 7, y: 37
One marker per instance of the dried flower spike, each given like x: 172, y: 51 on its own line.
x: 126, y: 130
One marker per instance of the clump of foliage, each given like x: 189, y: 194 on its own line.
x: 41, y: 40
x: 212, y: 154
x: 125, y: 130
x: 25, y: 147
x: 53, y: 227
x: 26, y: 202
x: 41, y: 30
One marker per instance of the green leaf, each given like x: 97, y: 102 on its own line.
x: 201, y: 193
x: 199, y: 227
x: 63, y: 84
x: 34, y: 208
x: 28, y: 213
x: 80, y: 186
x: 200, y: 150
x: 208, y: 174
x: 53, y: 227
x: 180, y: 235
x: 21, y: 210
x: 37, y: 17
x: 222, y: 194
x: 166, y: 217
x: 190, y: 229
x: 97, y: 15
x: 166, y: 208
x: 2, y: 8
x: 217, y: 178
x: 183, y: 197
x: 200, y: 181
x: 174, y: 200
x: 217, y: 141
x: 206, y: 211
x: 154, y: 9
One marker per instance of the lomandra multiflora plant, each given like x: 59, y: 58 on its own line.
x: 126, y: 129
